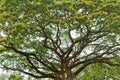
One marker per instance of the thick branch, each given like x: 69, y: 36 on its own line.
x: 102, y: 60
x: 36, y: 58
x: 81, y: 68
x: 25, y: 72
x: 94, y: 58
x: 17, y: 51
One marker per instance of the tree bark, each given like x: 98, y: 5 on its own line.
x: 66, y: 73
x: 67, y: 76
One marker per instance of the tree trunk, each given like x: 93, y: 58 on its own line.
x: 67, y: 76
x: 66, y: 73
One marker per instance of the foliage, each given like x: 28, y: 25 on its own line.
x: 3, y: 76
x: 60, y: 39
x: 15, y: 77
x: 100, y: 72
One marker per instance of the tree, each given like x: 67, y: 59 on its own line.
x: 59, y: 39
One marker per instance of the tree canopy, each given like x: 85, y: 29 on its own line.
x: 61, y: 39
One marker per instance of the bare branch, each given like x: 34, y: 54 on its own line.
x: 25, y: 72
x: 81, y: 68
x: 17, y: 51
x: 94, y: 58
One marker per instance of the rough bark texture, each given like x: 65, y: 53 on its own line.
x: 66, y: 73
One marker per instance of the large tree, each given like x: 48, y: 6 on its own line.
x: 58, y: 39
